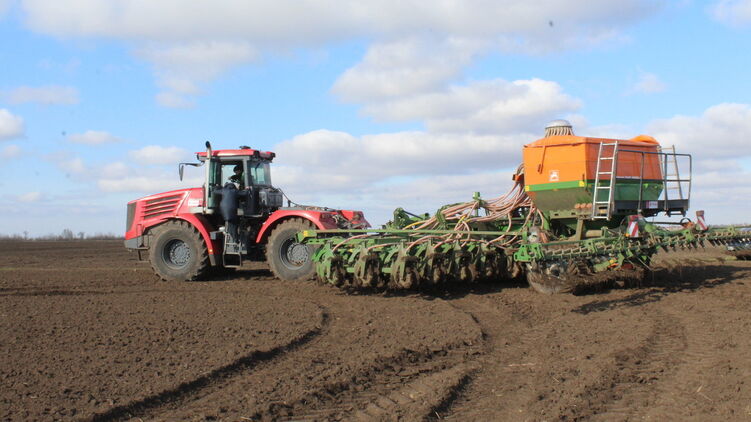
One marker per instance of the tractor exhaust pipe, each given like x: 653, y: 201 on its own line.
x: 206, y: 186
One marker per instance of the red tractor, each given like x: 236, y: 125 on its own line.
x: 236, y: 215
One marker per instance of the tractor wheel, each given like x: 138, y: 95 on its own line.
x: 288, y: 259
x: 178, y: 252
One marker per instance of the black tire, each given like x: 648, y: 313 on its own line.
x: 178, y: 252
x: 288, y: 259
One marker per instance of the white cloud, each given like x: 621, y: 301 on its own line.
x: 494, y: 106
x: 68, y: 66
x: 648, y: 83
x: 182, y: 68
x: 732, y: 12
x: 10, y: 151
x: 11, y: 126
x: 173, y: 100
x: 181, y: 65
x: 717, y: 140
x: 30, y: 197
x: 722, y: 131
x: 404, y: 67
x: 327, y: 162
x: 472, y: 130
x: 190, y: 46
x: 114, y: 170
x: 427, y: 194
x: 133, y: 184
x: 4, y: 7
x: 118, y: 176
x: 416, y: 194
x: 51, y: 94
x: 146, y: 183
x: 724, y: 202
x: 292, y: 23
x: 156, y: 154
x: 709, y: 165
x: 93, y: 137
x: 73, y: 166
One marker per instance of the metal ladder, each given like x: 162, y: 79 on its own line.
x: 602, y: 158
x: 232, y: 253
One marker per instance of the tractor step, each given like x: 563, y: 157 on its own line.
x: 232, y: 256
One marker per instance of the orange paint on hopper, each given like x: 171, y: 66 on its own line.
x: 568, y: 158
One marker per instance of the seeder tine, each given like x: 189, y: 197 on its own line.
x: 465, y: 270
x: 333, y: 271
x: 404, y: 271
x: 367, y: 270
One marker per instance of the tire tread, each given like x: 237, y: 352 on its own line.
x: 202, y: 268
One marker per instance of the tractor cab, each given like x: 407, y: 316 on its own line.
x: 245, y: 170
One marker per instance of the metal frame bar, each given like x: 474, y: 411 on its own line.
x: 662, y: 156
x: 399, y: 231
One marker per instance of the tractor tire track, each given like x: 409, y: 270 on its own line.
x: 339, y: 373
x: 500, y: 323
x: 408, y: 385
x: 213, y: 381
x: 712, y: 361
x: 418, y: 399
x: 634, y: 380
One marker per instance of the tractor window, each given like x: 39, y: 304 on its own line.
x: 228, y: 170
x: 260, y: 173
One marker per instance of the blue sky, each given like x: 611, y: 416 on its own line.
x: 369, y: 105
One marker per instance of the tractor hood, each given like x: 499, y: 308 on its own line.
x: 150, y: 210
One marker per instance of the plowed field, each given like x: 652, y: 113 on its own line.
x: 87, y: 333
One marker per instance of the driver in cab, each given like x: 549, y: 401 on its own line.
x: 238, y: 178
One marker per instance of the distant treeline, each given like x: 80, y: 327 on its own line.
x: 66, y: 234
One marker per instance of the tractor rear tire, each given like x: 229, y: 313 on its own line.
x: 288, y: 259
x: 178, y: 252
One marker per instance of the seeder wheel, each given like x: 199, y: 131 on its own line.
x: 551, y: 278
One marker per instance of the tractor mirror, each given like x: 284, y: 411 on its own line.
x: 181, y: 168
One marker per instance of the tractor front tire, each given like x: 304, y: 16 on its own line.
x: 288, y: 259
x: 178, y: 253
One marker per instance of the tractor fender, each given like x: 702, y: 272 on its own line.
x: 282, y: 215
x: 203, y: 227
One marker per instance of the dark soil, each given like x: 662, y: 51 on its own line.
x: 88, y: 333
